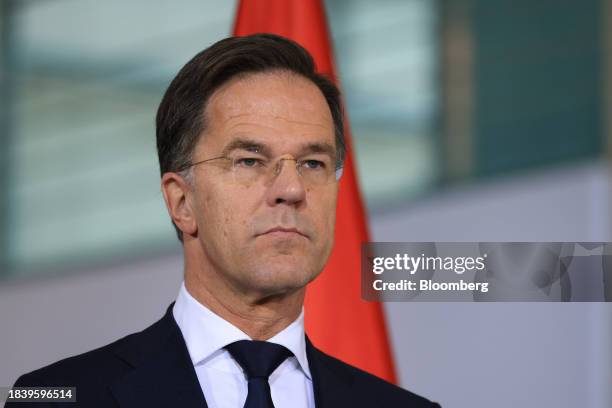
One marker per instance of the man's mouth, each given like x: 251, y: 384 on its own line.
x: 284, y: 231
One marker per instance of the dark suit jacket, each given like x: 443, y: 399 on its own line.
x: 152, y: 368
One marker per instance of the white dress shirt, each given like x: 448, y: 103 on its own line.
x: 223, y: 381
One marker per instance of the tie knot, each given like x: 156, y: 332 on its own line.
x: 257, y: 358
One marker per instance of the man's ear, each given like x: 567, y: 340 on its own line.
x: 177, y: 194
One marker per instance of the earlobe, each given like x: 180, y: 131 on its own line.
x: 177, y: 191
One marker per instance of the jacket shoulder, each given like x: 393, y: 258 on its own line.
x: 91, y: 374
x: 76, y: 369
x: 384, y: 393
x: 98, y: 366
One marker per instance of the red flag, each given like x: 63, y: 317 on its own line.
x: 338, y: 321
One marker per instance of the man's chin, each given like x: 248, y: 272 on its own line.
x: 282, y: 280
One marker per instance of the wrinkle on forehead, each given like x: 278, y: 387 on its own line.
x: 277, y: 95
x: 267, y: 106
x: 273, y: 117
x: 273, y: 129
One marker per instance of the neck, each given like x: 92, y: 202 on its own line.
x: 260, y: 317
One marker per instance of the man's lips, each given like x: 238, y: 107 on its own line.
x: 284, y: 230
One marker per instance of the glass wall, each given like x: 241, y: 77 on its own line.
x: 83, y: 81
x: 387, y: 56
x: 436, y: 91
x: 86, y: 79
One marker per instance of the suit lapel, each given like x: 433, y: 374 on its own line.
x: 331, y: 384
x: 163, y: 374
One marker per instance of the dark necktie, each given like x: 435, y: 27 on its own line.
x: 258, y: 359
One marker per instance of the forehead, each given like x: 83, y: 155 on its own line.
x: 276, y: 108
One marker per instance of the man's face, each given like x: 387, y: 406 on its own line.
x: 271, y: 235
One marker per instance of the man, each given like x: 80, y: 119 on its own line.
x: 250, y: 144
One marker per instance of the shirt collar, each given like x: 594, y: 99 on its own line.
x: 206, y: 333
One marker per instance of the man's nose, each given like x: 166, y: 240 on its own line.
x: 286, y: 185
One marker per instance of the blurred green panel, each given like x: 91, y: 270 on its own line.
x: 538, y: 80
x: 6, y: 105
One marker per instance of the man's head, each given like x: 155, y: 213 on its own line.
x: 259, y: 217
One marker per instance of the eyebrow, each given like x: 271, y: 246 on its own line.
x: 252, y: 145
x: 325, y: 148
x: 245, y: 144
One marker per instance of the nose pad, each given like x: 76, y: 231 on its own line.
x: 279, y: 166
x: 288, y: 188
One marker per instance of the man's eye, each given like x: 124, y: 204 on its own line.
x: 313, y: 164
x: 248, y: 162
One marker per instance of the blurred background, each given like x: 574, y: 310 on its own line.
x: 472, y: 120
